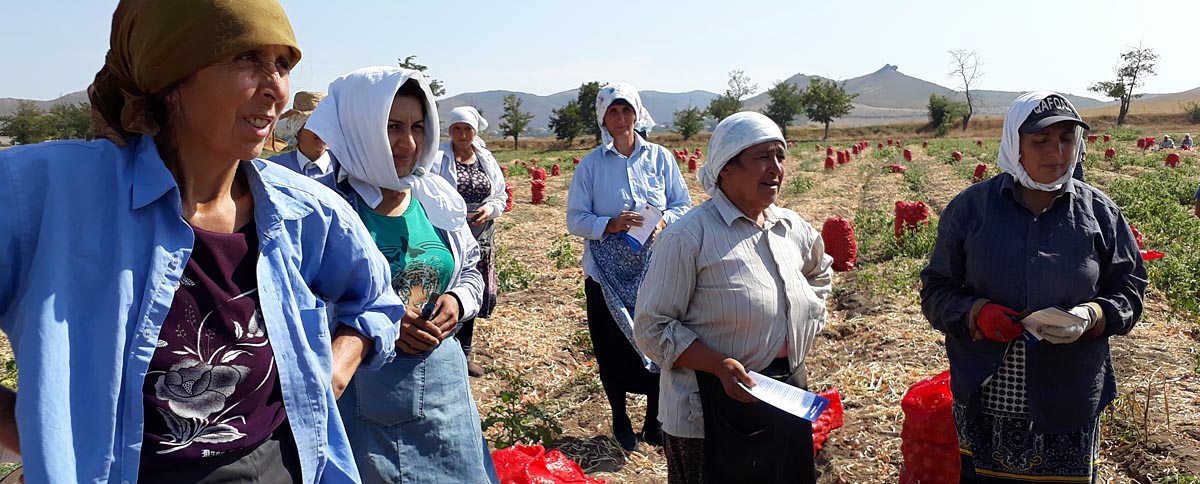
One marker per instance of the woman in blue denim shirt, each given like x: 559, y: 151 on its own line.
x: 169, y: 298
x: 414, y: 420
x: 1027, y: 408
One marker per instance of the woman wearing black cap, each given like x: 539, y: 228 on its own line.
x: 1028, y: 392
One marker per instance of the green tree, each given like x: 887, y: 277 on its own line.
x: 435, y: 86
x: 688, y: 122
x: 943, y: 112
x: 1137, y: 64
x: 70, y: 121
x: 587, y: 108
x: 514, y: 121
x: 825, y: 101
x: 786, y: 103
x: 731, y: 102
x: 26, y: 126
x: 567, y: 122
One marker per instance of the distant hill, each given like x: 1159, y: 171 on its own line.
x: 1150, y: 103
x: 8, y: 105
x: 885, y: 96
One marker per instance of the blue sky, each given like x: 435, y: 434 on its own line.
x: 544, y: 46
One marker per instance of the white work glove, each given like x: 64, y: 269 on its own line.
x: 1069, y: 334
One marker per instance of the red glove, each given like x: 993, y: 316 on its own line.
x: 998, y: 323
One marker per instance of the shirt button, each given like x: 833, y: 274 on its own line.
x: 146, y: 333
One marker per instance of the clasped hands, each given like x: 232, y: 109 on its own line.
x: 418, y: 335
x: 1001, y: 324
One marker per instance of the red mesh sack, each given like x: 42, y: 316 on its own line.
x: 957, y: 155
x: 691, y: 164
x: 504, y: 170
x: 846, y: 155
x: 698, y: 153
x: 879, y: 145
x: 575, y: 160
x: 1173, y: 160
x: 832, y: 418
x: 1141, y: 142
x: 894, y: 168
x: 521, y: 464
x: 508, y: 204
x: 980, y: 170
x: 838, y: 236
x: 538, y: 173
x: 1107, y: 138
x: 907, y: 154
x: 538, y: 190
x: 555, y: 170
x: 929, y: 439
x: 889, y: 141
x: 1110, y: 153
x: 910, y: 215
x: 1137, y: 235
x: 841, y: 157
x: 829, y: 163
x: 924, y: 144
x: 1092, y: 138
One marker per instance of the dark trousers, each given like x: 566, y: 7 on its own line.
x: 753, y: 442
x: 621, y: 369
x: 465, y: 334
x: 275, y: 461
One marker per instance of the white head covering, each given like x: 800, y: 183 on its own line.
x: 732, y: 135
x: 1009, y: 159
x: 644, y: 122
x: 470, y: 116
x: 353, y: 122
x: 613, y: 92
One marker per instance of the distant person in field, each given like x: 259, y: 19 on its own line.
x: 737, y: 284
x: 612, y: 189
x: 1197, y: 208
x: 1077, y: 173
x: 310, y: 156
x: 1167, y: 142
x: 1030, y: 239
x: 1187, y: 141
x: 179, y: 310
x: 413, y: 419
x: 468, y: 165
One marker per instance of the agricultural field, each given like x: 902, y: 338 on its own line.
x: 543, y: 382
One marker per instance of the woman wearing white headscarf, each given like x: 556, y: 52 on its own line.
x: 470, y: 167
x: 611, y: 185
x: 737, y: 284
x: 414, y: 420
x: 1029, y: 239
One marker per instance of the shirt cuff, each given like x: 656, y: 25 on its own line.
x: 598, y: 227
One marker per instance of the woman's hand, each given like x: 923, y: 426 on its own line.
x: 623, y: 222
x: 446, y: 313
x: 480, y: 216
x: 730, y: 372
x: 417, y: 335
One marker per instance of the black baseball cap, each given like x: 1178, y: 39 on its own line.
x: 1050, y: 110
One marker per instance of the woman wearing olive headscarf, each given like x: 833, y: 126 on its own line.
x: 414, y: 419
x: 608, y: 190
x: 170, y: 299
x: 468, y: 165
x: 1032, y: 238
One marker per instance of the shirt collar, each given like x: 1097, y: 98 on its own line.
x: 321, y: 162
x: 151, y: 178
x: 637, y: 145
x: 272, y: 206
x: 729, y: 212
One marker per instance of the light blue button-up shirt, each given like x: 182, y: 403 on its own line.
x: 92, y: 246
x: 607, y: 182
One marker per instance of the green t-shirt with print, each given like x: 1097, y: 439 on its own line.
x: 418, y: 253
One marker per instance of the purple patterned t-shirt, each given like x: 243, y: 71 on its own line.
x: 212, y: 386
